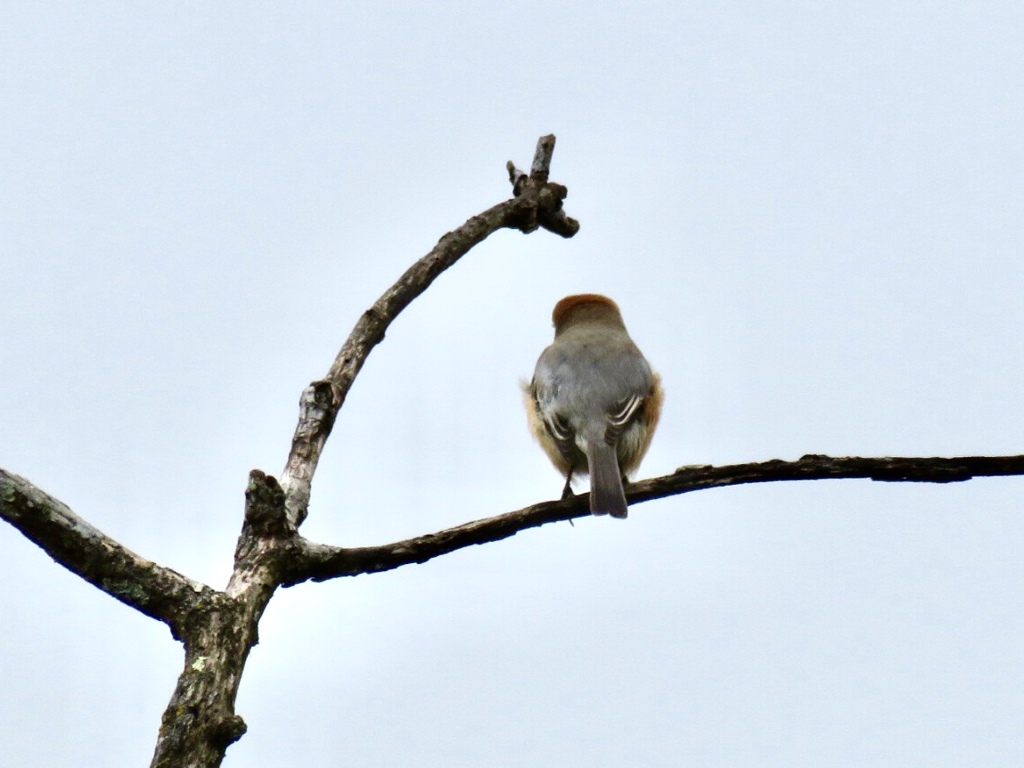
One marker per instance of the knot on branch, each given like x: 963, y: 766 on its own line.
x: 540, y: 199
x: 265, y: 515
x: 318, y: 408
x: 227, y: 730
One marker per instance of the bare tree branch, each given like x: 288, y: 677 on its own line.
x: 319, y: 562
x: 540, y: 168
x: 218, y: 629
x: 537, y: 203
x: 200, y: 721
x: 158, y: 592
x: 544, y: 197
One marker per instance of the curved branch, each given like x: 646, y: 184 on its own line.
x: 152, y: 589
x: 536, y: 203
x: 319, y: 562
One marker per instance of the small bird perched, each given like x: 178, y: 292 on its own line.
x: 594, y: 401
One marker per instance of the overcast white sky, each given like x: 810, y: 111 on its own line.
x: 812, y: 216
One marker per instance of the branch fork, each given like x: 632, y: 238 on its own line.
x: 219, y: 628
x: 541, y: 200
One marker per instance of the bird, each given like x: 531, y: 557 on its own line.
x: 594, y: 400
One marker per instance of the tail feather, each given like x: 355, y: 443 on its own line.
x: 606, y: 493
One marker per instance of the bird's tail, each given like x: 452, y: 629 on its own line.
x: 606, y: 493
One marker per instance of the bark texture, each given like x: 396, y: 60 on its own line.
x: 320, y: 562
x: 158, y: 592
x: 219, y: 628
x: 200, y: 721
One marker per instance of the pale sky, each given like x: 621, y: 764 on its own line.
x: 812, y: 217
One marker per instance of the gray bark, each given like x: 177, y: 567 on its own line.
x: 219, y: 628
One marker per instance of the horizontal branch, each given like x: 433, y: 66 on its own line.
x: 158, y: 592
x: 892, y: 469
x: 320, y: 562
